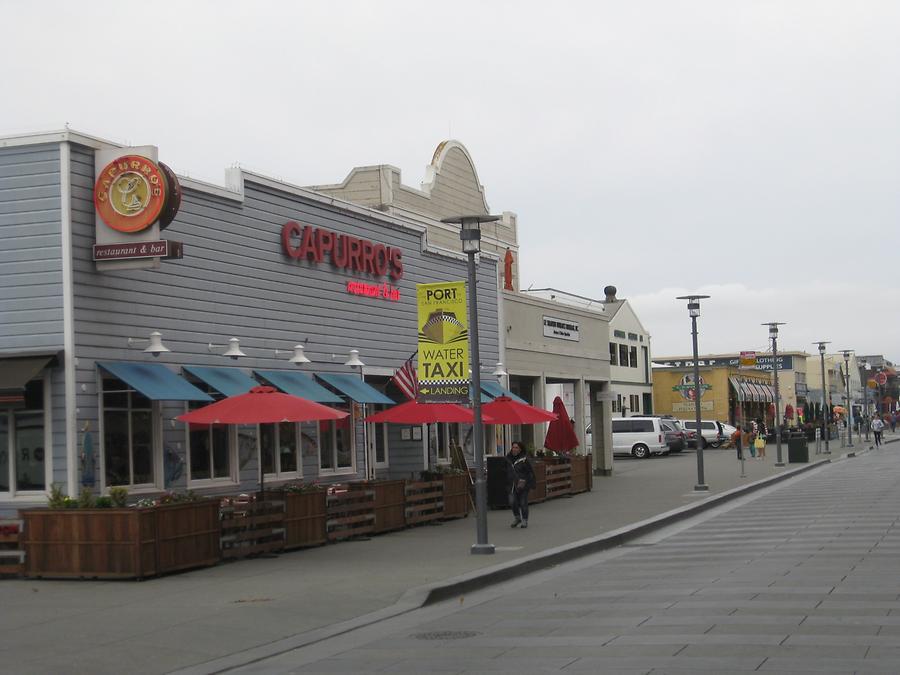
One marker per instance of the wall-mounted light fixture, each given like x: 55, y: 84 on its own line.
x: 354, y: 361
x: 499, y: 372
x: 298, y: 358
x: 154, y: 346
x: 233, y: 350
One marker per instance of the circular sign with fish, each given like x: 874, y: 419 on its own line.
x: 130, y: 193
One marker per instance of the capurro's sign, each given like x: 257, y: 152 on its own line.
x: 305, y: 242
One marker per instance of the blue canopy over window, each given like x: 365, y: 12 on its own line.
x: 494, y: 390
x: 298, y: 384
x: 354, y: 388
x: 227, y: 381
x: 154, y: 381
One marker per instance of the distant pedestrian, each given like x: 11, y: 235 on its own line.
x: 736, y: 439
x: 877, y: 429
x: 520, y: 479
x: 760, y: 445
x: 747, y: 440
x: 893, y: 422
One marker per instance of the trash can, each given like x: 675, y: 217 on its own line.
x: 497, y: 495
x: 798, y: 450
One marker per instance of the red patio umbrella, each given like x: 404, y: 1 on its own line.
x: 504, y: 410
x: 561, y: 435
x: 413, y: 412
x: 261, y: 405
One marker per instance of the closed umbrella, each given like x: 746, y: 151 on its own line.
x: 504, y: 410
x: 561, y: 436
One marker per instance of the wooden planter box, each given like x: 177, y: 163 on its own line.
x: 456, y: 495
x: 12, y: 557
x: 127, y: 543
x: 582, y: 473
x: 539, y: 494
x: 304, y: 519
x: 424, y: 501
x: 350, y: 514
x: 252, y: 527
x: 559, y: 477
x: 390, y: 503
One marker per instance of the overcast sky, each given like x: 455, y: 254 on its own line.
x: 746, y: 150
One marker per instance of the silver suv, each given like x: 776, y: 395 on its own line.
x: 712, y: 431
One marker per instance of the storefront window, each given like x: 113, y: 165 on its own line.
x: 279, y: 447
x: 336, y: 449
x: 209, y: 446
x: 128, y: 437
x: 22, y: 453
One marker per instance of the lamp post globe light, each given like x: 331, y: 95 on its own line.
x: 826, y: 413
x: 470, y: 234
x: 693, y: 307
x: 846, y: 353
x: 773, y: 335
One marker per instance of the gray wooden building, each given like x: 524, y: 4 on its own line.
x: 80, y: 405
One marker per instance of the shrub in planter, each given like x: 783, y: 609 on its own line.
x: 105, y: 541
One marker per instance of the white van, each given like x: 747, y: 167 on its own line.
x: 639, y: 437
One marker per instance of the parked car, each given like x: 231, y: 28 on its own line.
x: 639, y: 437
x: 676, y: 436
x: 711, y: 430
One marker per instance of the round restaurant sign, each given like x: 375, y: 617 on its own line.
x: 130, y: 193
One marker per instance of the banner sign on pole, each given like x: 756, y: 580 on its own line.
x: 748, y: 359
x: 443, y: 366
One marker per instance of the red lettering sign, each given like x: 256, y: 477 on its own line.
x: 383, y: 291
x: 305, y: 242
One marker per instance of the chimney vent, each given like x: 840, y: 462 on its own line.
x: 610, y: 293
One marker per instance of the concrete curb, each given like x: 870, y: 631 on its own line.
x: 421, y: 596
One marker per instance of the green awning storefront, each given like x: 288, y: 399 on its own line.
x: 154, y: 381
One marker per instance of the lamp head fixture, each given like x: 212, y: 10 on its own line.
x: 693, y: 303
x: 232, y: 352
x: 499, y: 371
x: 773, y: 328
x: 354, y: 361
x: 470, y: 229
x: 154, y: 346
x: 822, y: 344
x: 846, y: 353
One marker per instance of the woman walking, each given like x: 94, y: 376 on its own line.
x: 520, y: 479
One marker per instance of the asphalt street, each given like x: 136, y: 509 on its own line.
x: 798, y: 577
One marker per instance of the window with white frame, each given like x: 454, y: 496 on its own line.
x: 336, y: 443
x: 439, y: 437
x: 635, y: 401
x: 280, y: 449
x: 129, y: 436
x: 23, y: 456
x: 210, y: 449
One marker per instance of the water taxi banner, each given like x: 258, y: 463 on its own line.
x: 443, y: 364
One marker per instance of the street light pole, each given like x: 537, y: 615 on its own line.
x: 694, y: 311
x: 773, y: 335
x: 470, y: 234
x: 865, y: 416
x: 846, y: 353
x: 826, y: 413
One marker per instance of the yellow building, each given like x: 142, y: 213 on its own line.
x: 729, y: 393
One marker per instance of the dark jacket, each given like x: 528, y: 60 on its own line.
x: 519, y: 468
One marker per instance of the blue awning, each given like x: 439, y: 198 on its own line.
x: 227, y: 381
x: 354, y: 388
x: 298, y: 384
x: 494, y: 390
x: 154, y: 381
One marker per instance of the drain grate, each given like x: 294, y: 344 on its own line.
x: 446, y: 635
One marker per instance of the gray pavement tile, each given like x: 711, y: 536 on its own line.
x: 783, y: 651
x: 810, y: 665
